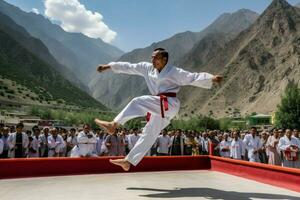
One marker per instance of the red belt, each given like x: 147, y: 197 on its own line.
x: 164, y: 106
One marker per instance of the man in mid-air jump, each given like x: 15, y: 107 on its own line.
x: 163, y: 81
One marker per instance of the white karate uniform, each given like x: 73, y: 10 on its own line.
x: 56, y: 146
x: 163, y: 144
x: 168, y: 80
x: 34, y: 144
x: 225, y: 145
x: 11, y: 141
x: 237, y: 149
x: 252, y: 144
x: 132, y: 139
x: 284, y: 143
x: 86, y: 146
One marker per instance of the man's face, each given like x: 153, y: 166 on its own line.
x: 86, y: 129
x: 253, y: 131
x: 296, y: 133
x: 54, y: 132
x: 158, y: 61
x: 235, y: 135
x: 288, y: 133
x: 5, y: 131
x: 19, y: 129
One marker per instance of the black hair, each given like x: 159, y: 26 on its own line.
x: 163, y: 53
x: 21, y: 125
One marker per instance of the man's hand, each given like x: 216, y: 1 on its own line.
x: 217, y: 79
x: 102, y: 68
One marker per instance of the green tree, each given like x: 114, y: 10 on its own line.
x: 288, y: 112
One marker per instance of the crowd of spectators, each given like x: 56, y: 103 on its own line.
x: 275, y: 147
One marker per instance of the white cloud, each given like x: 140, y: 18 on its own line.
x: 35, y: 10
x: 74, y: 17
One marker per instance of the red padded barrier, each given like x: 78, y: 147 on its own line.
x: 288, y: 178
x: 32, y: 167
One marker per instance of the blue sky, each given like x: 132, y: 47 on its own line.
x: 139, y: 23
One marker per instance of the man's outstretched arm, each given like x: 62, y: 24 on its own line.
x: 140, y: 69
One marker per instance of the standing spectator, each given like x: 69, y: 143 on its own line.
x: 1, y: 129
x: 55, y: 143
x: 71, y: 141
x: 101, y: 148
x: 1, y: 146
x: 86, y: 146
x: 225, y: 146
x: 272, y: 146
x: 18, y: 143
x: 263, y: 153
x: 190, y: 145
x: 43, y: 138
x: 204, y: 144
x: 237, y: 147
x: 163, y: 143
x: 133, y: 138
x: 34, y: 144
x: 290, y: 147
x: 4, y: 138
x: 253, y: 145
x: 198, y: 141
x: 177, y: 141
x: 296, y: 135
x: 112, y: 144
x: 123, y: 142
x: 214, y: 142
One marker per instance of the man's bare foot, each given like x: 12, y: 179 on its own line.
x: 110, y: 127
x: 122, y: 163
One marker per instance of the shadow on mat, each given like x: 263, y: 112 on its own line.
x: 210, y: 193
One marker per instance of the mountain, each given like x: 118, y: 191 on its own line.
x: 78, y: 52
x: 115, y: 91
x: 19, y: 63
x: 36, y: 47
x: 257, y: 66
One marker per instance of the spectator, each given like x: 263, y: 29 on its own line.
x: 18, y: 143
x: 133, y: 138
x: 4, y: 138
x: 123, y: 142
x: 272, y: 146
x: 253, y: 145
x: 101, y: 148
x: 55, y: 143
x: 237, y: 147
x: 263, y: 153
x: 204, y: 144
x: 86, y: 146
x: 290, y: 147
x: 34, y: 144
x: 177, y: 141
x: 71, y: 141
x: 163, y: 143
x: 43, y: 139
x: 225, y: 146
x: 112, y: 144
